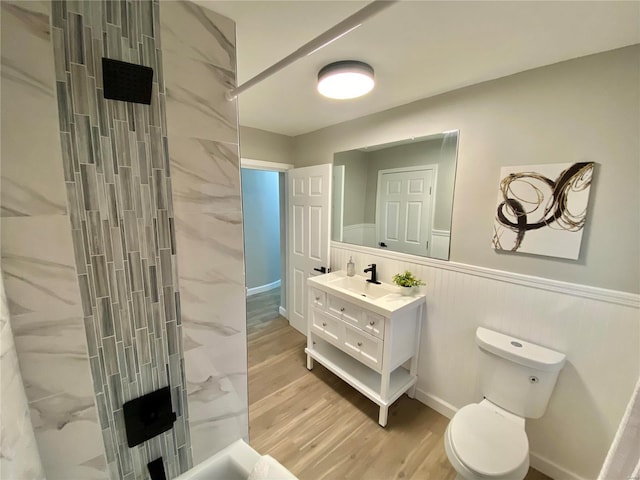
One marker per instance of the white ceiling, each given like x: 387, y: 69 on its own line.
x: 418, y: 49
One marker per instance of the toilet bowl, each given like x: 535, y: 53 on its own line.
x: 487, y: 440
x: 484, y: 441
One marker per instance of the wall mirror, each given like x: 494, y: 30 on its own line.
x: 397, y: 196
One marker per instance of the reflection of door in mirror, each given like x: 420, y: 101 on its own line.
x: 404, y: 209
x: 414, y: 222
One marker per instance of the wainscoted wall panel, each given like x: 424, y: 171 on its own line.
x: 597, y: 329
x: 19, y: 457
x: 199, y: 60
x: 37, y: 254
x: 117, y: 175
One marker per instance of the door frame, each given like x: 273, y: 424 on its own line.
x: 254, y: 164
x: 433, y: 167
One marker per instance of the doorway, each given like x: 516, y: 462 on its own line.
x: 265, y: 237
x: 261, y: 223
x: 262, y: 243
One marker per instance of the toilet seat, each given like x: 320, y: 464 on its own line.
x: 488, y: 443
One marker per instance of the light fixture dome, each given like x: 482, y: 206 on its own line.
x: 345, y: 79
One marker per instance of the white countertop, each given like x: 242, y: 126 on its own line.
x: 384, y: 299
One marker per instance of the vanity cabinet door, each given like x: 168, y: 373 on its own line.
x: 373, y: 324
x: 344, y: 310
x: 364, y: 347
x: 329, y: 328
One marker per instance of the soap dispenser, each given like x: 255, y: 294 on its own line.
x: 351, y: 267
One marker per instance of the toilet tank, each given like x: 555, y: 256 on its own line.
x: 516, y: 375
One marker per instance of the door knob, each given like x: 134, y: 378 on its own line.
x: 321, y: 270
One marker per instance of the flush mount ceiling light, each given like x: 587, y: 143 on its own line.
x: 345, y: 79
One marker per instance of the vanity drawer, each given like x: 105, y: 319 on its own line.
x: 364, y: 347
x: 318, y: 298
x: 344, y: 310
x: 328, y: 327
x: 373, y: 324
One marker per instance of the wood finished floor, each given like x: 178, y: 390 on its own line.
x: 319, y: 427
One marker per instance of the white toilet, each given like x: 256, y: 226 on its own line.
x: 487, y: 440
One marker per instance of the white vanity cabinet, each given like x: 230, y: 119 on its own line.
x: 365, y: 333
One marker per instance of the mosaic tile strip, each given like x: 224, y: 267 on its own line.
x: 119, y: 195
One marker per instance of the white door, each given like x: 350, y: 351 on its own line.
x: 308, y: 198
x: 404, y: 209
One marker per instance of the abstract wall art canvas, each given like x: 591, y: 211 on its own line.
x: 542, y: 209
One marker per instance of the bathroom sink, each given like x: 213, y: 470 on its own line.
x: 384, y: 299
x: 360, y: 286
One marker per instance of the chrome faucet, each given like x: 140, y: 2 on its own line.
x: 374, y: 274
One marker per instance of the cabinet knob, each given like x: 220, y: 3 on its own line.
x: 342, y: 309
x: 314, y: 342
x: 317, y: 299
x: 372, y: 323
x: 359, y: 344
x: 324, y: 324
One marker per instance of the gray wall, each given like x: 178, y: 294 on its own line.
x: 261, y: 219
x: 581, y: 110
x: 259, y: 144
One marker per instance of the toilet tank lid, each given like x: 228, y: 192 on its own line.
x: 519, y: 351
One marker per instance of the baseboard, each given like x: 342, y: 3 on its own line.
x: 538, y: 462
x: 263, y: 288
x: 551, y: 469
x: 283, y: 312
x: 439, y: 405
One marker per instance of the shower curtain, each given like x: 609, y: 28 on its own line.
x: 623, y: 459
x: 19, y: 457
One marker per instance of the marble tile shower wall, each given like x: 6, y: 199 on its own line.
x: 118, y: 187
x: 37, y: 254
x: 19, y: 457
x: 199, y: 66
